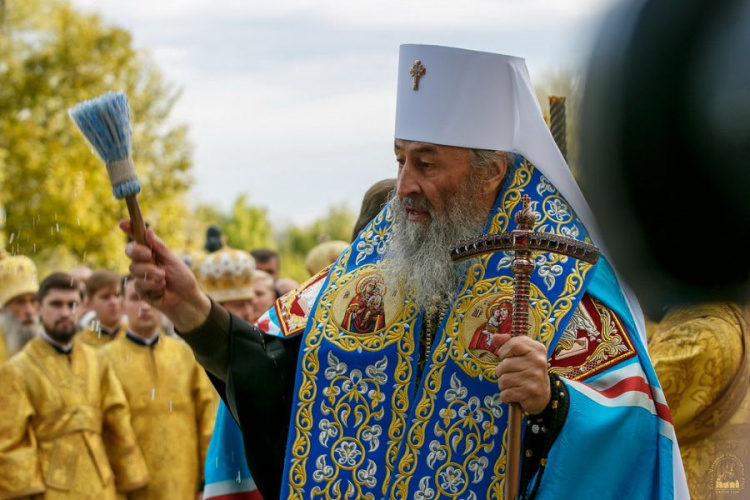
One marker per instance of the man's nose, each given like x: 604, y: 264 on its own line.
x: 68, y: 311
x: 407, y: 181
x: 29, y: 310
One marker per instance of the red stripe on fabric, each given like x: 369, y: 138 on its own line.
x: 663, y: 411
x: 242, y: 495
x: 627, y: 385
x: 637, y: 384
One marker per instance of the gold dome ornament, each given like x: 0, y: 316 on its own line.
x: 18, y: 276
x: 226, y: 275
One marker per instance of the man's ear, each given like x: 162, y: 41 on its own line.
x: 497, y: 172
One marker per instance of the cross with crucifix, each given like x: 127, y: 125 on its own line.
x: 417, y: 71
x: 522, y: 241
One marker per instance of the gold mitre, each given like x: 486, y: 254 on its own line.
x: 17, y: 277
x: 226, y: 275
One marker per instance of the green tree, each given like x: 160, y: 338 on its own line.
x: 296, y: 242
x: 56, y: 194
x: 247, y: 226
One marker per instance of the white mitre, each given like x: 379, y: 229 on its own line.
x: 471, y: 99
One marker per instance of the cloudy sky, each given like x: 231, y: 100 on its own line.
x: 293, y: 101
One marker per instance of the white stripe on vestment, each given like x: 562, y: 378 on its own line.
x: 628, y: 398
x: 609, y: 379
x: 227, y: 487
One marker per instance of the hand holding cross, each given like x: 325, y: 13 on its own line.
x: 522, y: 241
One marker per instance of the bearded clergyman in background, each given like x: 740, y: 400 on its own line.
x: 19, y: 309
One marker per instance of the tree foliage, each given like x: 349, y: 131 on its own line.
x: 247, y: 227
x: 56, y: 194
x: 337, y: 224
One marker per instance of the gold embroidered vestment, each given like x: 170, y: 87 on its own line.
x: 65, y: 427
x: 173, y: 407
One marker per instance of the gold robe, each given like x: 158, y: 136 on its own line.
x: 65, y: 427
x: 3, y: 348
x: 94, y: 338
x: 173, y: 407
x: 700, y: 356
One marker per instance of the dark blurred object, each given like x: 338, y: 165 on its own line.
x: 665, y: 148
x: 214, y: 239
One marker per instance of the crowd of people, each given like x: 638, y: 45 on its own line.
x: 389, y: 373
x: 100, y: 397
x: 101, y: 394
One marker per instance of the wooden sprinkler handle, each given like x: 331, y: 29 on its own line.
x: 136, y: 219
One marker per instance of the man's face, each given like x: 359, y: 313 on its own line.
x: 264, y: 299
x: 107, y: 303
x: 143, y: 319
x: 441, y: 199
x: 25, y: 308
x: 428, y: 176
x: 59, y: 313
x: 271, y: 266
x: 243, y: 308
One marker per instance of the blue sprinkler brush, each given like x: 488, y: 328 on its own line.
x: 105, y: 123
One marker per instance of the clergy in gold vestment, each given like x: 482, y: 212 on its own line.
x: 172, y: 403
x: 104, y: 298
x: 19, y: 309
x: 700, y: 355
x: 64, y: 422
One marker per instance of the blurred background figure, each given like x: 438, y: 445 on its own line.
x: 700, y: 355
x: 19, y: 309
x: 173, y: 404
x: 323, y: 255
x: 104, y: 300
x: 285, y: 285
x: 265, y: 293
x: 373, y: 202
x: 267, y: 260
x: 81, y: 274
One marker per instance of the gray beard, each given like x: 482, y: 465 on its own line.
x: 16, y: 333
x: 418, y: 256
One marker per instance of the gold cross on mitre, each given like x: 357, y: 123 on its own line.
x: 417, y: 71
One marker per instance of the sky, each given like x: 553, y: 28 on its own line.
x: 292, y: 102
